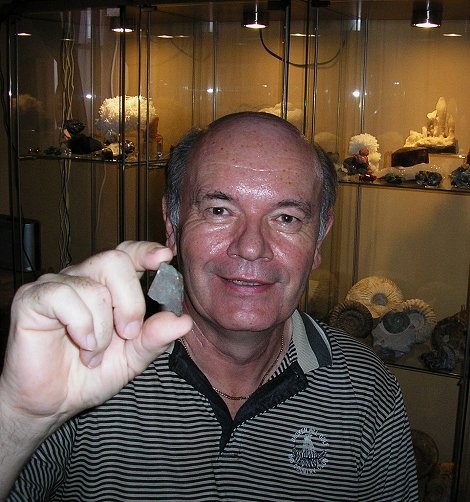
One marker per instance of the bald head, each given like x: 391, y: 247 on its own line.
x: 261, y: 119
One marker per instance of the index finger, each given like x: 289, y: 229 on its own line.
x: 119, y: 270
x: 146, y: 255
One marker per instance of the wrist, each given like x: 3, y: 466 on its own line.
x: 20, y: 435
x: 21, y: 424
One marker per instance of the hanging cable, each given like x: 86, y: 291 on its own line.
x: 113, y: 64
x: 301, y: 65
x: 68, y: 73
x: 64, y: 241
x: 98, y: 207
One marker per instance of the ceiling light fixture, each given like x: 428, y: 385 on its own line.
x: 127, y: 25
x: 255, y: 19
x: 427, y: 14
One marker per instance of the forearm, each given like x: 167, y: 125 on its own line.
x: 19, y: 438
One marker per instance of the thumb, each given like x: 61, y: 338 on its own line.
x: 158, y: 332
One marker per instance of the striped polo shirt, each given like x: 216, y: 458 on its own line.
x: 329, y: 425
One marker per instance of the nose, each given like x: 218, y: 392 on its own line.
x: 251, y: 241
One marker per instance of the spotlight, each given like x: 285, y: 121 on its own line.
x: 127, y: 26
x: 427, y: 14
x: 255, y: 19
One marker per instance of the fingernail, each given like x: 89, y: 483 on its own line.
x: 132, y: 329
x: 156, y: 249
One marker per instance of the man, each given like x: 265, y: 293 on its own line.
x: 255, y: 402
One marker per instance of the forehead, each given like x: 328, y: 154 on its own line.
x: 255, y: 153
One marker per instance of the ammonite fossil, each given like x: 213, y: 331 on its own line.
x: 451, y: 331
x: 378, y: 294
x: 392, y: 336
x: 422, y: 317
x: 396, y: 321
x: 443, y: 358
x: 352, y: 317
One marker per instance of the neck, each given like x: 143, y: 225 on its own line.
x: 237, y: 363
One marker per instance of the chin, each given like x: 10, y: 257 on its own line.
x: 249, y: 321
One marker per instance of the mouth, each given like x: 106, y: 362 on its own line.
x: 246, y: 286
x: 241, y: 282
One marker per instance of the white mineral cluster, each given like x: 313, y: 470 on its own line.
x: 361, y: 141
x: 438, y: 132
x: 294, y: 115
x: 110, y: 113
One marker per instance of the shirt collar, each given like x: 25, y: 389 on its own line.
x: 311, y: 343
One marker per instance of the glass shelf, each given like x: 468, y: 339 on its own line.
x: 448, y: 374
x: 153, y: 164
x: 443, y: 187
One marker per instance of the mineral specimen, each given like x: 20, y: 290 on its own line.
x: 438, y: 135
x: 428, y: 178
x: 74, y: 126
x: 460, y: 177
x: 167, y: 289
x: 393, y: 179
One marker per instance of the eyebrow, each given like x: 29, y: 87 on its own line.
x: 304, y: 206
x: 215, y: 195
x: 202, y: 195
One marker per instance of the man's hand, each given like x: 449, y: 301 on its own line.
x: 78, y: 337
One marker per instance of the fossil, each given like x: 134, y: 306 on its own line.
x: 378, y: 294
x: 352, y: 317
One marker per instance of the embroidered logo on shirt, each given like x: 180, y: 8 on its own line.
x: 309, y: 451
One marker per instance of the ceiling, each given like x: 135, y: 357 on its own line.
x: 398, y: 9
x: 228, y: 9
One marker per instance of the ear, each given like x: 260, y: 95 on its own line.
x: 169, y: 230
x: 317, y: 254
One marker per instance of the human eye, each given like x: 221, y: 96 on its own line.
x: 288, y: 219
x: 217, y: 212
x: 288, y: 222
x: 216, y: 205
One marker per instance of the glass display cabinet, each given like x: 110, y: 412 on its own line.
x: 412, y: 234
x: 81, y: 93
